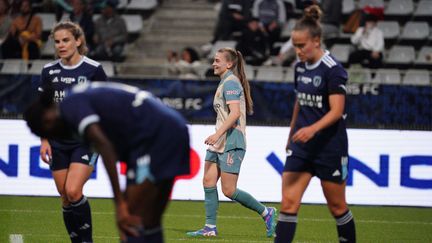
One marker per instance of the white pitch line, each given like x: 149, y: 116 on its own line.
x: 16, y: 238
x: 230, y: 217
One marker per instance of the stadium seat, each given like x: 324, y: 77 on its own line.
x: 142, y: 5
x: 134, y: 22
x: 289, y: 75
x: 387, y: 76
x: 424, y: 8
x: 108, y: 68
x: 36, y: 66
x: 390, y: 29
x: 286, y: 31
x: 48, y: 21
x: 48, y: 48
x: 401, y: 55
x: 372, y: 3
x: 250, y: 72
x: 359, y: 75
x: 341, y: 52
x: 399, y: 7
x: 415, y: 30
x: 220, y: 44
x: 416, y: 77
x: 423, y: 53
x: 273, y: 74
x: 13, y: 66
x: 348, y: 6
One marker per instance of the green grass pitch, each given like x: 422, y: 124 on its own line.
x: 38, y: 219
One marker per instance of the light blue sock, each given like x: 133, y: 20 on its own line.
x: 248, y: 201
x: 211, y: 204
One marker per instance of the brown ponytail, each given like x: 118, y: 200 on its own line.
x: 238, y: 69
x: 310, y: 21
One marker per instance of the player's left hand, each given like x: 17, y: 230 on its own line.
x: 211, y: 140
x: 304, y: 134
x: 127, y: 223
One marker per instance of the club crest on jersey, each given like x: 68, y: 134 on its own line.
x: 316, y: 81
x: 82, y: 79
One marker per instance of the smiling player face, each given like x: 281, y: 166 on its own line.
x: 221, y: 64
x: 66, y: 46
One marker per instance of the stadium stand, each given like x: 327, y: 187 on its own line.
x: 387, y: 76
x: 274, y: 74
x: 416, y: 77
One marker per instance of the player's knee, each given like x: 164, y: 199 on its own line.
x: 208, y: 182
x: 290, y: 204
x: 228, y: 191
x: 73, y: 193
x: 337, y: 208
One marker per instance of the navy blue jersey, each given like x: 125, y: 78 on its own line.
x: 61, y: 77
x: 131, y: 118
x: 313, y: 86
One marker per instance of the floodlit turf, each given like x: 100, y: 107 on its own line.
x: 38, y: 219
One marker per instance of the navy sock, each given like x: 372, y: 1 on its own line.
x: 346, y: 227
x: 70, y: 224
x: 285, y: 228
x: 152, y: 235
x: 82, y: 215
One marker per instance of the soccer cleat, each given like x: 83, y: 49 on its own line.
x: 206, y: 232
x: 270, y: 221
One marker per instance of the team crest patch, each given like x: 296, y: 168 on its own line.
x: 82, y: 79
x: 316, y: 81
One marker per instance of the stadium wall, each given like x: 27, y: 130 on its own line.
x: 387, y: 167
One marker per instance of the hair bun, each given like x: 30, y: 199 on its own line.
x: 312, y: 12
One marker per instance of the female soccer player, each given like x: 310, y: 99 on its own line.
x: 317, y: 143
x: 227, y: 146
x: 70, y: 162
x: 123, y: 123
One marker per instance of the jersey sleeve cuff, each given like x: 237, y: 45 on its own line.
x: 86, y: 122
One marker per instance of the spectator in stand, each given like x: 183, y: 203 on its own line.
x: 253, y: 44
x: 369, y: 43
x: 187, y: 66
x: 5, y: 23
x: 24, y: 40
x: 82, y: 16
x: 272, y: 16
x: 110, y: 34
x: 233, y: 16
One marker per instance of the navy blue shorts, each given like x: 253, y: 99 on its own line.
x: 328, y: 168
x: 62, y: 158
x: 166, y: 157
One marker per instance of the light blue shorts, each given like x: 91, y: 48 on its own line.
x: 229, y: 161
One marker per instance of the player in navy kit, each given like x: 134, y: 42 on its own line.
x: 71, y: 163
x: 317, y: 144
x: 123, y: 123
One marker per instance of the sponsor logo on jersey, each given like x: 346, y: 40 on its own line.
x: 82, y: 79
x: 316, y: 81
x: 54, y: 71
x: 289, y: 152
x: 310, y: 100
x: 67, y: 80
x: 300, y: 70
x: 304, y: 79
x: 85, y: 157
x: 232, y: 92
x: 55, y: 80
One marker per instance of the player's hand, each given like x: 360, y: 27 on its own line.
x: 45, y: 151
x: 211, y: 140
x: 303, y: 135
x: 128, y: 224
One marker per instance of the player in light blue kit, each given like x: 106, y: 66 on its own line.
x: 317, y: 144
x: 123, y: 123
x: 227, y: 146
x: 71, y: 163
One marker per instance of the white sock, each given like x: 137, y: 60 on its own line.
x: 210, y: 225
x: 265, y: 212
